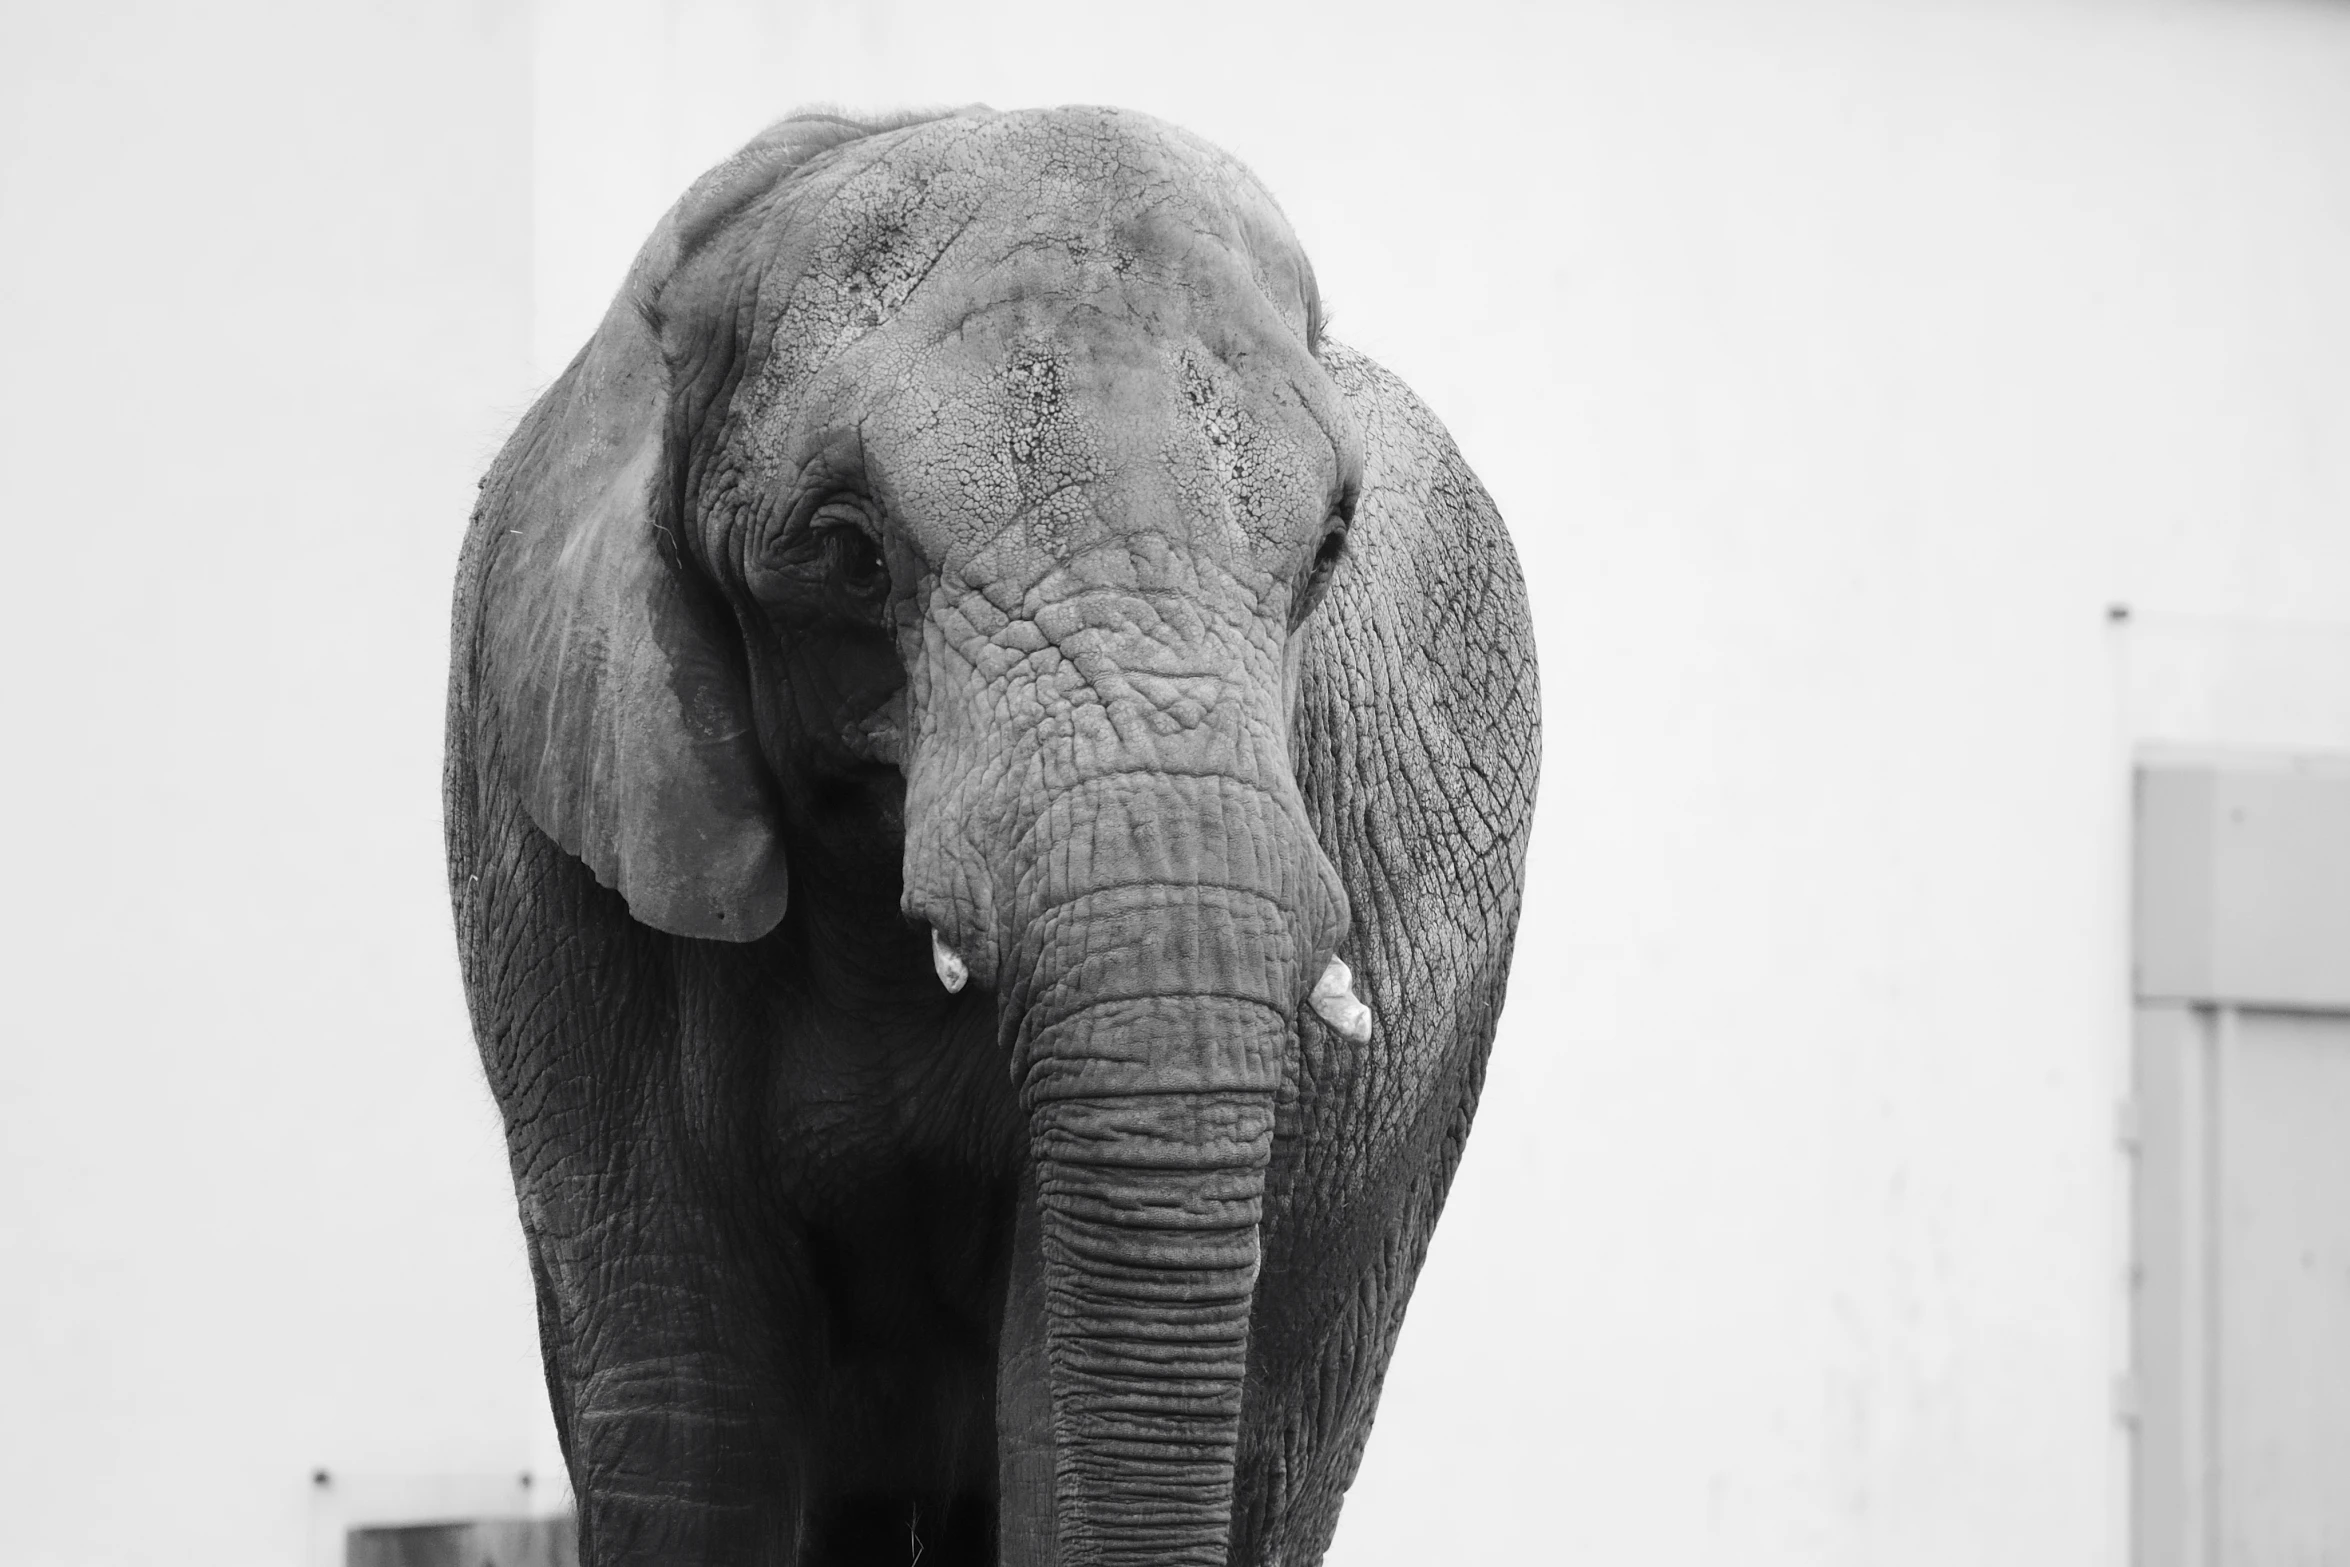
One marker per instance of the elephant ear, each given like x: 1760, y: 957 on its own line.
x: 1417, y: 738
x: 1418, y: 733
x: 607, y: 679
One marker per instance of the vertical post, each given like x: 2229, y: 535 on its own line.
x: 2219, y: 1047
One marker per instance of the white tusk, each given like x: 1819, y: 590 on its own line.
x: 1334, y: 999
x: 951, y: 972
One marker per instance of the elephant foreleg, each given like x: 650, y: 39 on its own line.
x: 672, y: 1417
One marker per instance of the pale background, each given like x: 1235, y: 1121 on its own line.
x: 1836, y: 365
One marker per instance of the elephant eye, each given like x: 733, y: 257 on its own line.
x: 1317, y: 579
x: 1333, y: 548
x: 856, y: 559
x: 852, y: 558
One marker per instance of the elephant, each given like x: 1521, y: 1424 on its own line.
x: 987, y: 780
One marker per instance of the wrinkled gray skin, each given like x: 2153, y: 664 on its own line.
x: 959, y: 524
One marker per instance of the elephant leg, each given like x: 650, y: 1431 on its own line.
x: 665, y: 1307
x: 671, y: 1382
x: 550, y: 1337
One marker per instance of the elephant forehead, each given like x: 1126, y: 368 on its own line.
x: 914, y: 232
x: 1031, y: 438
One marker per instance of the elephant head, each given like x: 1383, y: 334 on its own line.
x: 963, y: 490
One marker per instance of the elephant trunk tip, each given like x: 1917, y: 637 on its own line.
x: 1334, y: 1000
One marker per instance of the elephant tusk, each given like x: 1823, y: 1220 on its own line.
x: 1334, y: 998
x: 951, y: 971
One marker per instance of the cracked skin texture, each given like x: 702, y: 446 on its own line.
x: 938, y: 535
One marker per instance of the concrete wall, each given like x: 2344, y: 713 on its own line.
x: 1837, y: 366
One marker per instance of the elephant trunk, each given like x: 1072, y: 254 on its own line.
x: 1149, y: 1036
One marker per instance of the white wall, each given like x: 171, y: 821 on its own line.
x: 1837, y: 365
x: 267, y: 274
